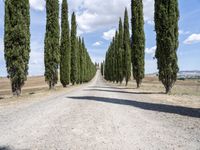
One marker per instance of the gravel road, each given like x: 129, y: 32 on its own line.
x: 98, y: 116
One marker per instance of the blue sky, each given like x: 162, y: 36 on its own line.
x: 97, y: 21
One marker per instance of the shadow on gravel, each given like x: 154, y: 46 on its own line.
x: 110, y: 87
x: 10, y: 148
x: 5, y: 148
x: 180, y: 110
x: 117, y: 91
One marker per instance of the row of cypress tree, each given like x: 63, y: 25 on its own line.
x: 115, y: 67
x: 125, y: 55
x: 122, y: 57
x: 75, y: 63
x: 67, y: 53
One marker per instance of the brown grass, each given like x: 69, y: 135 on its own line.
x: 32, y: 85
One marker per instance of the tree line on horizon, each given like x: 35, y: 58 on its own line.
x: 126, y: 54
x: 66, y: 52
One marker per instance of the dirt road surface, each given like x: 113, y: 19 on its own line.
x: 98, y: 116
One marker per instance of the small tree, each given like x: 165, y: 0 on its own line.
x: 17, y: 42
x: 51, y: 47
x: 138, y: 41
x: 166, y: 27
x: 65, y: 58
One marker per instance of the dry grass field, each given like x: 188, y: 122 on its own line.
x: 182, y: 87
x: 150, y: 84
x: 32, y: 85
x: 184, y: 93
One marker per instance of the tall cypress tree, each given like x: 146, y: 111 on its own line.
x: 78, y: 59
x: 166, y: 26
x: 138, y: 41
x: 118, y: 56
x: 73, y: 50
x: 52, y: 43
x: 120, y: 51
x: 127, y: 49
x: 81, y: 60
x: 65, y: 58
x: 17, y: 42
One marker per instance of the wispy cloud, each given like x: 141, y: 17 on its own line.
x: 37, y: 4
x: 108, y: 35
x: 150, y: 51
x: 98, y: 43
x: 182, y: 32
x: 194, y: 38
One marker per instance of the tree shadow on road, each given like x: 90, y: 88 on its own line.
x: 180, y: 110
x: 120, y: 91
x: 5, y: 148
x: 110, y: 87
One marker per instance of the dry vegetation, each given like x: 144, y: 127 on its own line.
x: 182, y: 87
x: 32, y: 86
x: 150, y: 83
x: 185, y: 92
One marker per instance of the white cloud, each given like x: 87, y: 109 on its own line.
x: 150, y: 50
x: 37, y: 4
x: 109, y: 34
x: 99, y: 15
x: 148, y: 11
x: 93, y: 15
x: 98, y: 43
x: 194, y: 38
x: 182, y: 32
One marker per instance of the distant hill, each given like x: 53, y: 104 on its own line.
x: 193, y: 74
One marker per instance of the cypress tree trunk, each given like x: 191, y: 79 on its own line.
x: 52, y: 43
x: 17, y: 42
x: 127, y: 49
x: 138, y: 41
x: 166, y: 27
x: 73, y: 50
x: 65, y: 58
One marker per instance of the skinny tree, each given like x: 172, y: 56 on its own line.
x: 65, y: 58
x: 52, y: 43
x: 166, y: 27
x: 127, y: 48
x: 78, y: 59
x: 120, y: 51
x: 118, y: 58
x: 81, y: 60
x: 73, y: 50
x: 17, y: 42
x: 138, y: 41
